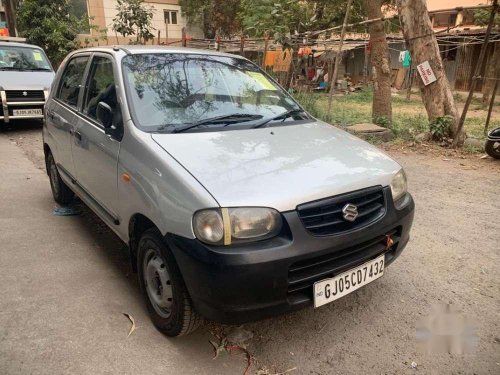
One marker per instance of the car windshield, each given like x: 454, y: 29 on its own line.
x: 174, y: 92
x: 23, y: 59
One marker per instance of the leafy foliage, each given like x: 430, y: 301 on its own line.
x: 482, y: 17
x: 134, y: 18
x: 273, y: 16
x: 440, y: 127
x: 51, y: 25
x: 276, y: 17
x: 382, y: 121
x: 214, y: 16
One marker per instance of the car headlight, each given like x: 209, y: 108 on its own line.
x: 223, y: 226
x: 399, y: 185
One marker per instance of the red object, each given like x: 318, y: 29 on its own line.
x: 4, y: 32
x: 311, y: 72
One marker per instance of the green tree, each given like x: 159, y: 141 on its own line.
x: 215, y: 17
x: 273, y: 16
x: 50, y: 25
x: 482, y: 16
x: 134, y: 18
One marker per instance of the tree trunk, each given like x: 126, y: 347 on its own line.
x: 10, y: 13
x: 381, y: 67
x: 422, y: 44
x: 492, y: 71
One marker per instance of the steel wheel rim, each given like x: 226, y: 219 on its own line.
x: 496, y: 147
x: 157, y: 283
x: 53, y: 177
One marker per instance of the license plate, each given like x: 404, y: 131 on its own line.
x: 27, y: 112
x: 326, y: 291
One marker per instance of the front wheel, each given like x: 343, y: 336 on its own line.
x: 493, y: 148
x: 167, y: 298
x: 60, y: 191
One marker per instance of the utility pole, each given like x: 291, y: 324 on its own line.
x: 10, y: 13
x: 477, y: 74
x: 338, y: 57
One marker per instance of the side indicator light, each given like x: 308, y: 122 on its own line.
x: 126, y: 177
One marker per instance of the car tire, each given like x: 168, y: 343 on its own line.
x: 60, y: 191
x: 167, y: 299
x: 492, y: 148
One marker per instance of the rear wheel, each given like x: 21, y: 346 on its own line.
x: 60, y: 191
x: 165, y: 293
x: 493, y: 149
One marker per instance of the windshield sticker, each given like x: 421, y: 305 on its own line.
x: 262, y: 80
x: 37, y: 56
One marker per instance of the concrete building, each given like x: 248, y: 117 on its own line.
x: 167, y: 20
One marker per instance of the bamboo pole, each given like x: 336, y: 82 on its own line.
x: 490, y: 108
x: 410, y: 83
x: 476, y: 76
x: 338, y: 57
x: 266, y: 44
x: 365, y: 65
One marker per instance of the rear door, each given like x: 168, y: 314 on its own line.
x: 95, y: 153
x: 61, y: 112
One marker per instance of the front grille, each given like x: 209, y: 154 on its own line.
x: 304, y: 273
x: 324, y: 217
x: 31, y: 95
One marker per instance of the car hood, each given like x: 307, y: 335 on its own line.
x: 281, y: 166
x: 12, y: 80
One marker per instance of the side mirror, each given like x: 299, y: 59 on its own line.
x: 104, y: 115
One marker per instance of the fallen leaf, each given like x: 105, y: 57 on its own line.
x: 446, y: 159
x: 131, y: 318
x: 218, y: 348
x: 484, y: 156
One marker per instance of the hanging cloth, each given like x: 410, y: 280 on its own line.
x: 405, y: 58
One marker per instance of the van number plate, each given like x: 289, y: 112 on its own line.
x: 27, y: 112
x: 326, y: 291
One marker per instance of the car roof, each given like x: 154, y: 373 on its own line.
x: 17, y: 44
x: 144, y: 49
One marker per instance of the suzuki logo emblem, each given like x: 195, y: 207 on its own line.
x: 350, y: 212
x: 25, y: 93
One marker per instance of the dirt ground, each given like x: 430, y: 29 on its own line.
x: 453, y: 258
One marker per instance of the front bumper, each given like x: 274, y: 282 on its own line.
x: 242, y: 283
x: 9, y: 104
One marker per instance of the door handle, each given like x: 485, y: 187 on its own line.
x: 77, y: 135
x: 50, y: 114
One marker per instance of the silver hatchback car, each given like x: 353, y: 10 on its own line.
x: 235, y: 203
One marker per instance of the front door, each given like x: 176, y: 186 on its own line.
x: 95, y: 153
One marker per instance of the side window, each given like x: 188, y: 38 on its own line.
x: 100, y: 88
x: 71, y: 80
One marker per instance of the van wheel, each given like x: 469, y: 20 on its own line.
x: 60, y: 191
x: 167, y: 298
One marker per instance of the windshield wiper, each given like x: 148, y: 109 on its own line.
x: 25, y: 69
x: 283, y: 116
x: 233, y: 118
